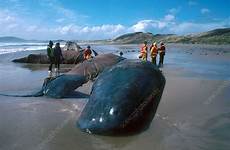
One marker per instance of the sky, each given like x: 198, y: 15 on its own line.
x: 107, y: 19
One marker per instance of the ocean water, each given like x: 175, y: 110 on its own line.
x: 178, y: 60
x: 17, y: 47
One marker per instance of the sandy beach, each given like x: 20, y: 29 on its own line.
x: 193, y: 113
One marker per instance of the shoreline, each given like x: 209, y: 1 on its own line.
x: 84, y: 44
x: 178, y: 60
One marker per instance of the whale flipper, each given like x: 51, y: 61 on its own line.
x: 63, y: 85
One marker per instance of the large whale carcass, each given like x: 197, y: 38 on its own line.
x: 123, y: 100
x: 61, y: 86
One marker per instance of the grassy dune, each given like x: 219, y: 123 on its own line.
x: 218, y: 36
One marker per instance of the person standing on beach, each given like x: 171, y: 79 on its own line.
x: 58, y: 57
x: 50, y: 54
x: 87, y: 53
x: 162, y: 54
x: 121, y: 53
x: 153, y: 52
x: 144, y: 52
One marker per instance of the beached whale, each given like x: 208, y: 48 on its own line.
x: 123, y: 99
x: 70, y: 57
x: 72, y: 54
x: 61, y: 86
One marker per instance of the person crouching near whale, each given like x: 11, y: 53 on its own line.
x: 153, y: 52
x: 50, y: 54
x: 144, y: 52
x: 87, y: 53
x: 58, y: 58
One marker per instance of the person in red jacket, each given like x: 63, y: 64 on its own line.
x: 162, y: 54
x: 87, y: 53
x: 153, y: 52
x: 144, y: 52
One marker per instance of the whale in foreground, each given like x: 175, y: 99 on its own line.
x: 123, y: 100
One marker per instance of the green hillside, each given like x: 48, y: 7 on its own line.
x: 217, y: 36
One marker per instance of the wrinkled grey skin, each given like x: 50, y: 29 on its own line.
x: 123, y: 100
x: 61, y: 86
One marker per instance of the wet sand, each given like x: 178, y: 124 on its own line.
x: 193, y: 112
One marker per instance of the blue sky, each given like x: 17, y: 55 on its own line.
x: 103, y: 19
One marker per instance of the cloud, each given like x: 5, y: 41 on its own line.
x: 169, y: 17
x: 153, y: 25
x: 144, y: 25
x: 32, y: 28
x: 190, y: 27
x: 13, y: 24
x: 192, y: 3
x: 9, y: 22
x: 60, y: 20
x: 169, y: 25
x: 72, y: 31
x: 6, y: 17
x: 147, y: 26
x: 205, y: 11
x: 14, y: 1
x: 69, y: 14
x: 106, y: 31
x: 174, y: 10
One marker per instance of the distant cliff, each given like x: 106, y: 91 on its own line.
x: 11, y: 39
x: 217, y: 36
x: 136, y: 37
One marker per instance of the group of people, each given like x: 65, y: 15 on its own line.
x: 154, y: 50
x: 55, y: 57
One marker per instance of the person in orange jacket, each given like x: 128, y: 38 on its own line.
x: 87, y: 53
x: 162, y: 54
x: 144, y: 52
x: 153, y: 52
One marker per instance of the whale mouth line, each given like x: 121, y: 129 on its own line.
x: 135, y: 114
x: 141, y: 107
